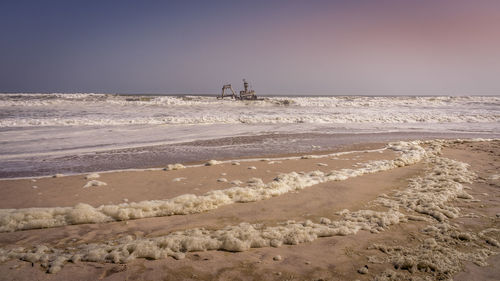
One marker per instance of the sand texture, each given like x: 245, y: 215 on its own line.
x: 420, y: 210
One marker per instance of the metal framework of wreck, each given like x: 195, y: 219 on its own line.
x: 246, y: 94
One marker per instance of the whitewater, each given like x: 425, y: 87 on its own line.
x: 44, y: 133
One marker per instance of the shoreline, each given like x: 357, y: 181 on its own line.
x: 196, y: 152
x: 195, y: 164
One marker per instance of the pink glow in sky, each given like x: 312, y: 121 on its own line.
x: 282, y: 47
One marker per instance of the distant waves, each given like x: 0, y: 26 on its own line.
x: 25, y: 110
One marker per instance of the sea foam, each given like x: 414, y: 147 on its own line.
x: 428, y: 196
x: 256, y: 190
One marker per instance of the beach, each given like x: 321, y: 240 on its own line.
x: 383, y: 211
x: 114, y: 187
x: 250, y: 140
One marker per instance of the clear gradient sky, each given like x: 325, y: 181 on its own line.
x: 378, y: 47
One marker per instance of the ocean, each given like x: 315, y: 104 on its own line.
x: 43, y: 134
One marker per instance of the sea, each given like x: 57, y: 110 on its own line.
x: 44, y: 134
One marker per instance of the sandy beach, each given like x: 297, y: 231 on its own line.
x: 250, y: 140
x: 368, y: 212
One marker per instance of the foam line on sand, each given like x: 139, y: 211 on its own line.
x: 31, y: 218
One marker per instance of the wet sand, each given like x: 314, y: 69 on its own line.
x: 327, y: 258
x: 264, y: 145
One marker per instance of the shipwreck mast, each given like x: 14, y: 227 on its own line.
x: 247, y: 94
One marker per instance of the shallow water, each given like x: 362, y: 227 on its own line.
x: 42, y: 134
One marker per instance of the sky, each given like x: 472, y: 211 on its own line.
x: 351, y: 47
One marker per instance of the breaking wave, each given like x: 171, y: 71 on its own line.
x: 24, y: 110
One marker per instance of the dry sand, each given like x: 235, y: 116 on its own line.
x: 393, y: 251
